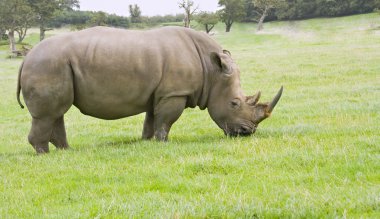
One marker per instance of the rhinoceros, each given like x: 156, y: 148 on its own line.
x: 111, y: 73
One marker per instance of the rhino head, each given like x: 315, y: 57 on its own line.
x: 235, y: 113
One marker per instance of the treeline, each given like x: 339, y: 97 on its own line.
x: 82, y: 19
x: 264, y: 10
x: 17, y: 16
x: 232, y: 11
x: 302, y: 9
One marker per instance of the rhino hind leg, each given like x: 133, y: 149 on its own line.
x: 58, y: 136
x: 48, y: 94
x: 40, y: 133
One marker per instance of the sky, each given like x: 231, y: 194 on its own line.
x: 148, y: 7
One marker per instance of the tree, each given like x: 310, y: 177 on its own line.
x: 297, y: 9
x: 114, y: 20
x: 2, y: 32
x: 263, y: 8
x: 45, y: 10
x: 82, y: 19
x: 187, y: 6
x: 15, y: 15
x: 233, y: 11
x: 154, y: 20
x: 135, y: 12
x: 249, y: 10
x: 208, y: 20
x: 27, y: 19
x: 98, y: 19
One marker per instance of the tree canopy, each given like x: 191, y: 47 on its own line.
x: 187, y: 5
x: 15, y: 16
x: 263, y: 7
x: 208, y: 20
x: 135, y: 13
x: 45, y: 10
x: 301, y: 9
x: 233, y: 10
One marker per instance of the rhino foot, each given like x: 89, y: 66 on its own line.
x: 47, y: 130
x: 58, y: 135
x: 161, y: 135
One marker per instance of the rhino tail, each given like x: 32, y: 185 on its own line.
x: 19, y: 86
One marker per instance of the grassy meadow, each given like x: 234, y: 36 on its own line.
x: 318, y: 156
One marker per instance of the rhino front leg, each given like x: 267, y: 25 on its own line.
x: 148, y: 130
x: 166, y: 112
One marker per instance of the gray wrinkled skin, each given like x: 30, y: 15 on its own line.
x: 111, y: 73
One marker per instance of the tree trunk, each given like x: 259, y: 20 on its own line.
x: 12, y: 42
x: 42, y: 33
x: 21, y: 34
x: 209, y: 28
x: 228, y: 26
x: 187, y: 20
x: 260, y: 25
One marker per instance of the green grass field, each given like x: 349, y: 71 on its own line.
x: 318, y: 156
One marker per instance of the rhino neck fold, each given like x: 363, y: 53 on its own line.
x: 204, y: 94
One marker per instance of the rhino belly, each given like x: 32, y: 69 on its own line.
x: 114, y: 97
x: 110, y: 107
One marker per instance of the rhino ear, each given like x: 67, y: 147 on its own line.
x: 252, y: 100
x: 227, y: 52
x: 221, y: 60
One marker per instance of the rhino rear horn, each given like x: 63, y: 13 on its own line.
x: 273, y: 103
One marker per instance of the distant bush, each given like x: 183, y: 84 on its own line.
x: 158, y: 19
x: 301, y: 9
x: 78, y: 20
x: 179, y: 24
x: 82, y: 19
x: 4, y: 37
x: 3, y: 42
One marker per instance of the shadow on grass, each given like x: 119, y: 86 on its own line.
x: 115, y: 143
x: 121, y: 142
x: 189, y: 139
x: 270, y: 133
x: 130, y: 142
x: 18, y: 154
x: 175, y: 139
x: 375, y: 28
x: 125, y: 142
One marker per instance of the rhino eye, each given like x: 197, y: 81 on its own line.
x: 235, y: 103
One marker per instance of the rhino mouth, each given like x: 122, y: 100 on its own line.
x: 236, y: 131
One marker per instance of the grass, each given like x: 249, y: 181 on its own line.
x: 318, y: 155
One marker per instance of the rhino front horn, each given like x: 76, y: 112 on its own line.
x: 275, y: 100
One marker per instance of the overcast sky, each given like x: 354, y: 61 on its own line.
x: 148, y: 7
